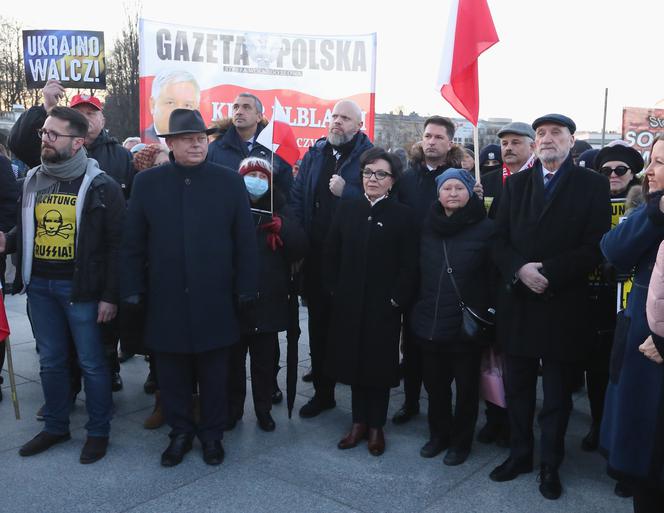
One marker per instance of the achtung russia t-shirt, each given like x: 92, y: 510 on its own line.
x: 55, y: 233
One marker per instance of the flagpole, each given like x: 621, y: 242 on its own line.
x: 476, y: 143
x: 12, y: 380
x: 274, y: 107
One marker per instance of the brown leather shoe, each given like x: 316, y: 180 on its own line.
x: 156, y: 418
x: 357, y: 433
x: 376, y: 441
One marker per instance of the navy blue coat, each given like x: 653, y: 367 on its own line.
x: 632, y: 433
x: 229, y: 150
x: 304, y: 188
x: 190, y: 247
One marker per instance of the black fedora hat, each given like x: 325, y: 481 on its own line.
x: 186, y: 121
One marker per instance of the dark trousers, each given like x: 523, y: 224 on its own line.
x: 520, y: 390
x: 261, y: 348
x: 110, y: 333
x: 597, y: 374
x: 177, y: 376
x: 412, y: 370
x: 439, y: 369
x: 370, y: 405
x: 319, y: 306
x: 648, y: 500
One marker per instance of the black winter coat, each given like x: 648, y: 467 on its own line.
x: 190, y: 247
x: 98, y: 243
x: 563, y: 233
x: 271, y: 310
x: 370, y: 258
x: 8, y: 195
x: 106, y: 150
x: 417, y: 187
x: 436, y: 314
x: 229, y: 150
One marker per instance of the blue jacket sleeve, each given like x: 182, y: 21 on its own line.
x: 626, y: 243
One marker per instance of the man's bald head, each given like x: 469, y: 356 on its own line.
x: 345, y: 123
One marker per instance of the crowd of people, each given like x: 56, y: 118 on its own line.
x: 189, y: 249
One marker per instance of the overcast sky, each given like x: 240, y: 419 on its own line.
x: 553, y: 56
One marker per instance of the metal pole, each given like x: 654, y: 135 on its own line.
x: 476, y: 142
x: 606, y: 101
x: 12, y: 380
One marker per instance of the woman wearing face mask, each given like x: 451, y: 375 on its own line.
x: 281, y: 242
x: 632, y: 430
x: 620, y: 164
x: 370, y: 265
x: 456, y: 235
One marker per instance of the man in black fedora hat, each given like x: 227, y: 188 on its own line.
x: 190, y: 258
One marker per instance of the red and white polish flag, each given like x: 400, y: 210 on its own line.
x: 278, y: 135
x: 470, y: 32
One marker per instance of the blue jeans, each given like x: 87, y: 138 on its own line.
x: 57, y: 320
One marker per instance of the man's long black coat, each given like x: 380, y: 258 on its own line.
x: 563, y: 233
x: 190, y: 247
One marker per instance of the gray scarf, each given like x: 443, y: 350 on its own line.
x: 49, y: 175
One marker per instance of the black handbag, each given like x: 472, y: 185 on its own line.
x: 475, y: 327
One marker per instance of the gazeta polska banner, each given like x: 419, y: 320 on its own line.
x: 74, y: 57
x: 206, y: 68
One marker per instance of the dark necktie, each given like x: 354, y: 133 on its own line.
x: 547, y: 179
x: 249, y: 145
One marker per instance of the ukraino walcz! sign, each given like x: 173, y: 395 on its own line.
x: 74, y: 57
x: 206, y: 68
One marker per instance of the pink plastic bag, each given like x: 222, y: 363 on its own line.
x: 491, y: 379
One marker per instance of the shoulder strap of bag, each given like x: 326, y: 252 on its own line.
x: 451, y: 275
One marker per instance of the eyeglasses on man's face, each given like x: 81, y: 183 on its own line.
x: 53, y: 136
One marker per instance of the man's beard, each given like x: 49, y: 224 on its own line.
x: 552, y: 156
x: 336, y: 139
x: 54, y: 156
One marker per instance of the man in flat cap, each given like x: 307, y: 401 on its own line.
x: 549, y: 223
x: 189, y: 254
x: 517, y: 147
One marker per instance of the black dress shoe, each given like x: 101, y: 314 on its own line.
x: 265, y: 421
x: 308, y: 376
x: 510, y: 469
x: 179, y: 446
x: 213, y: 452
x: 623, y: 490
x: 433, y: 448
x: 277, y: 396
x: 94, y: 449
x: 550, y: 486
x: 315, y: 407
x: 590, y: 442
x: 456, y: 456
x: 42, y: 442
x: 405, y: 413
x: 150, y: 385
x: 116, y: 382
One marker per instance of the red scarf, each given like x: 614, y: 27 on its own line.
x: 529, y: 163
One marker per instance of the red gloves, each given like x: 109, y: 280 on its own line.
x: 273, y: 228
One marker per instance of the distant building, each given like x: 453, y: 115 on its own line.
x: 7, y: 120
x: 595, y: 138
x: 401, y: 131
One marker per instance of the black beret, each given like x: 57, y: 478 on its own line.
x: 557, y: 119
x: 621, y: 153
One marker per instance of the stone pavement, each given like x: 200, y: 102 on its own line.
x: 297, y: 468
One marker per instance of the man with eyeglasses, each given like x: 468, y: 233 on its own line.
x: 620, y: 164
x: 113, y: 159
x: 190, y: 256
x: 329, y: 173
x: 67, y: 242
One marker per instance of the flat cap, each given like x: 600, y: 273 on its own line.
x: 556, y: 119
x: 517, y: 128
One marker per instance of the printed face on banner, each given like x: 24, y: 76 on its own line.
x: 171, y: 96
x: 307, y: 74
